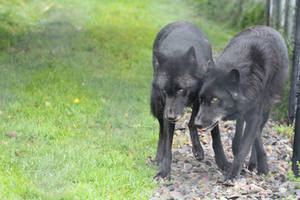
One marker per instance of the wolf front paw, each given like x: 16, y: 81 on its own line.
x: 224, y: 165
x: 263, y: 168
x: 198, y: 153
x: 252, y: 166
x: 162, y: 177
x: 232, y: 174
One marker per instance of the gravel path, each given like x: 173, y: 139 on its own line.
x: 191, y: 179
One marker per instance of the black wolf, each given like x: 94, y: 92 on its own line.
x: 244, y: 84
x: 181, y: 56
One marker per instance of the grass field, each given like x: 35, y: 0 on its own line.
x: 75, y: 84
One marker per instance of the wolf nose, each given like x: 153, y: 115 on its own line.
x: 172, y: 117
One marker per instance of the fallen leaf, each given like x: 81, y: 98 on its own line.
x: 234, y: 196
x: 269, y: 148
x: 12, y: 134
x: 48, y: 7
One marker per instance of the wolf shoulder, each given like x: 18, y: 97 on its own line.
x: 176, y: 38
x: 264, y: 33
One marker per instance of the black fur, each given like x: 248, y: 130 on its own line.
x: 181, y: 56
x: 244, y: 84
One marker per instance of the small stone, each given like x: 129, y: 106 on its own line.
x: 282, y: 178
x: 275, y: 169
x: 183, y: 190
x: 187, y: 166
x: 176, y: 184
x: 282, y: 190
x: 256, y: 188
x: 243, y: 181
x: 208, y: 163
x: 176, y: 153
x: 171, y: 187
x: 205, y: 180
x: 176, y: 195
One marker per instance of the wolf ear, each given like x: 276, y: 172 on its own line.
x: 191, y: 55
x: 159, y: 57
x: 234, y: 76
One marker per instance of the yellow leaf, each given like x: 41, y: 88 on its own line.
x: 289, y: 149
x: 269, y: 148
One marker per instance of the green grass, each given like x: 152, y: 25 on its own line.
x: 75, y: 85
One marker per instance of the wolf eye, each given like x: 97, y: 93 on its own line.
x: 214, y: 100
x: 179, y: 91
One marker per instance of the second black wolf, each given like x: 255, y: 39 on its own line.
x: 181, y: 56
x: 247, y: 79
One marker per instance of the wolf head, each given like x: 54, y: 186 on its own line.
x: 220, y: 98
x: 177, y: 80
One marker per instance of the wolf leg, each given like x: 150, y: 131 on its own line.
x: 259, y: 159
x: 197, y: 148
x: 253, y: 158
x: 252, y: 126
x: 239, y: 129
x: 262, y: 165
x: 220, y: 156
x: 165, y: 165
x: 161, y: 141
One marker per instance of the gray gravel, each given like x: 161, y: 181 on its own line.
x: 191, y: 179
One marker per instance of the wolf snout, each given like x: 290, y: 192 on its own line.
x: 198, y: 123
x: 172, y: 116
x: 201, y: 123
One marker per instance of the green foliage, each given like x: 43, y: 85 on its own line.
x: 17, y: 18
x: 287, y: 131
x: 237, y: 13
x: 254, y: 14
x: 280, y: 110
x: 291, y: 176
